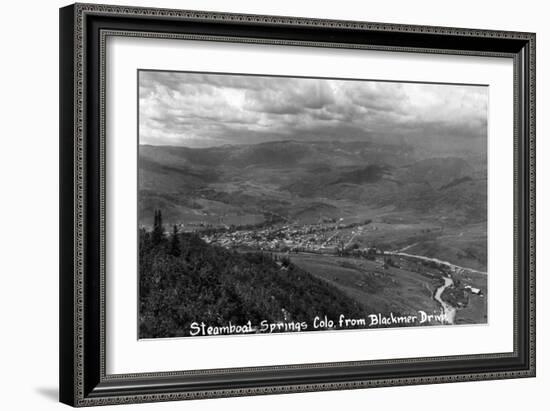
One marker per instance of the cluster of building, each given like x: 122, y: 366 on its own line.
x: 308, y: 238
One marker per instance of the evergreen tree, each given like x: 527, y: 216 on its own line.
x: 175, y: 242
x: 158, y: 229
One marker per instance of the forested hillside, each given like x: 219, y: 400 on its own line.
x: 183, y: 279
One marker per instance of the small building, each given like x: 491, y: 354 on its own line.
x: 473, y: 290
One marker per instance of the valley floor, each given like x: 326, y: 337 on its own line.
x: 413, y: 275
x: 407, y: 286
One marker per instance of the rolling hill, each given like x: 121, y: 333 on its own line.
x: 287, y: 177
x: 311, y: 182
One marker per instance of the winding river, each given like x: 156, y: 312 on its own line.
x: 448, y: 309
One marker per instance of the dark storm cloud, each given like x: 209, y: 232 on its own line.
x: 209, y: 109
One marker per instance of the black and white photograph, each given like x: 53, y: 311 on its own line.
x: 271, y: 204
x: 279, y: 199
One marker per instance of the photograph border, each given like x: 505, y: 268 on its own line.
x: 255, y: 75
x: 84, y: 29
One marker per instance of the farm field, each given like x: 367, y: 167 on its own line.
x: 404, y: 290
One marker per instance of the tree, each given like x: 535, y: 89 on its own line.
x: 158, y: 229
x: 340, y: 248
x: 175, y: 242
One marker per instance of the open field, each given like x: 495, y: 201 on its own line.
x: 388, y: 290
x: 404, y: 288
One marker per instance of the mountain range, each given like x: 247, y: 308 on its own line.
x: 307, y: 181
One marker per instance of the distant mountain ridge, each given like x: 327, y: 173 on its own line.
x: 244, y: 183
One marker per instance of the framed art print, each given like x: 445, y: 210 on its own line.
x: 262, y: 204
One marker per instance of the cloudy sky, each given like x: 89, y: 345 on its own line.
x: 201, y: 110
